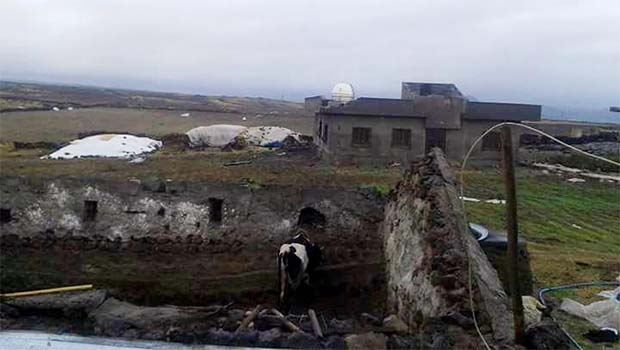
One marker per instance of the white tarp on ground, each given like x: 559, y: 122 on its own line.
x: 222, y: 134
x: 269, y: 135
x: 217, y: 135
x: 605, y: 313
x: 106, y: 145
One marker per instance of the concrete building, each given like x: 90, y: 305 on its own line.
x: 379, y: 130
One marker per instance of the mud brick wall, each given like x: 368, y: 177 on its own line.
x: 427, y: 246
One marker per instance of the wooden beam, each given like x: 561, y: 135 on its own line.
x: 47, y: 291
x: 513, y: 233
x: 246, y: 321
x: 315, y: 324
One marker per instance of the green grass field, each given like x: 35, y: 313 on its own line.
x: 572, y: 230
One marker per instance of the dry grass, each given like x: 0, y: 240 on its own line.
x: 64, y: 126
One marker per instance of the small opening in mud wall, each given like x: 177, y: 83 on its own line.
x: 90, y: 210
x: 5, y: 215
x: 311, y: 218
x: 215, y: 210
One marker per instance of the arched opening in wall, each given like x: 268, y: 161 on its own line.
x: 215, y: 210
x: 90, y: 210
x: 311, y: 218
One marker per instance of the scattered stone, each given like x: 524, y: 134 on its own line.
x: 300, y: 340
x: 219, y: 337
x: 393, y: 324
x: 397, y: 342
x: 546, y: 334
x: 341, y: 326
x: 369, y: 340
x: 272, y: 338
x: 575, y: 180
x: 246, y: 338
x: 370, y: 319
x: 334, y: 342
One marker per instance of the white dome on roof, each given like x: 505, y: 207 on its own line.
x: 343, y: 92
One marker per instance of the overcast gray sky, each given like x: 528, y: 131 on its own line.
x: 563, y: 52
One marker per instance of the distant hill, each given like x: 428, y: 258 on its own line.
x: 15, y: 96
x: 602, y: 115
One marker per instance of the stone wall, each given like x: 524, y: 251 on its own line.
x: 427, y: 247
x: 160, y: 239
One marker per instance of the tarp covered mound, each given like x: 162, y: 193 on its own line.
x: 106, y: 145
x: 221, y: 135
x: 217, y: 135
x: 269, y: 136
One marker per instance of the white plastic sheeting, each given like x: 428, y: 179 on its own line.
x: 269, y: 135
x: 605, y: 313
x: 222, y: 134
x: 106, y: 145
x: 217, y: 135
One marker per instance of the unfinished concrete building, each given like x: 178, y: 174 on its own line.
x: 427, y: 115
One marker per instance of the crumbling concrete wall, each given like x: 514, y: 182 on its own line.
x: 427, y: 247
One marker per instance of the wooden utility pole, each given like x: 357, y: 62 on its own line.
x: 513, y: 233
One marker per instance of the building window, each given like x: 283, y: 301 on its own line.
x: 491, y: 142
x: 401, y: 138
x: 90, y: 210
x: 320, y: 128
x: 215, y: 210
x: 325, y: 131
x: 361, y: 136
x: 435, y: 138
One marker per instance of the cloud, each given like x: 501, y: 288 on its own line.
x: 550, y: 52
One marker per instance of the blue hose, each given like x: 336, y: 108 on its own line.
x: 543, y: 291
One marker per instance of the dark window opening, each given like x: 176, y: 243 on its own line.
x: 90, y: 210
x: 321, y: 129
x: 324, y: 103
x: 161, y: 211
x: 435, y: 138
x: 325, y: 130
x: 401, y: 138
x: 426, y: 89
x: 311, y: 218
x: 5, y: 215
x: 491, y: 142
x: 215, y: 209
x: 361, y: 136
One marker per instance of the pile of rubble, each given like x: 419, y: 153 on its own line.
x: 96, y: 313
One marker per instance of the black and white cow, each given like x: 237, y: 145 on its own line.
x: 297, y: 260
